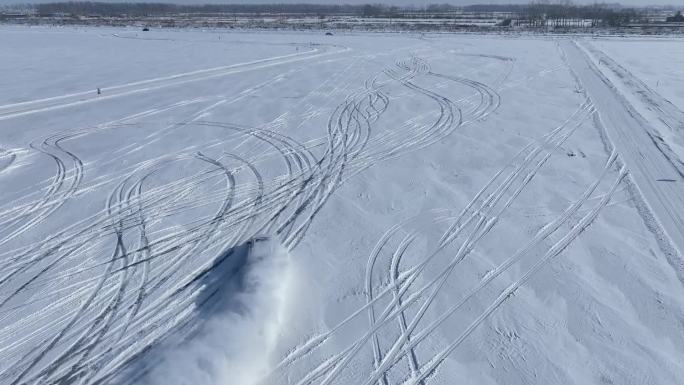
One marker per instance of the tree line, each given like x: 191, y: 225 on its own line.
x: 538, y: 13
x: 162, y: 9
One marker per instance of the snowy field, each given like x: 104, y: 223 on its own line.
x: 657, y: 62
x: 294, y: 208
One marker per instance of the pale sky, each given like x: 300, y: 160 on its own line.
x: 392, y: 2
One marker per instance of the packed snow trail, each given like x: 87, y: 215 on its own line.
x: 15, y: 110
x: 629, y: 133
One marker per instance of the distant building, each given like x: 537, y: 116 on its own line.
x: 678, y: 18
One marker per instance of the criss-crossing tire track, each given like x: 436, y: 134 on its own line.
x: 115, y: 283
x: 390, y: 294
x: 126, y: 217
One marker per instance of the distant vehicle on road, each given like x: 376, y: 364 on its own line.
x: 146, y: 29
x: 328, y: 34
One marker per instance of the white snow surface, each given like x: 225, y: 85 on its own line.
x: 657, y: 62
x: 294, y: 208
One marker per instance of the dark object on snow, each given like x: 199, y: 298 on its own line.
x: 328, y: 34
x: 99, y: 91
x: 256, y: 239
x: 678, y: 18
x: 146, y: 29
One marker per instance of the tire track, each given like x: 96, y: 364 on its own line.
x: 118, y: 282
x: 401, y: 282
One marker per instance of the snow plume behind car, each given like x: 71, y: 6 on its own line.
x: 234, y: 344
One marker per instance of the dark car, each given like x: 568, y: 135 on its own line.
x: 146, y: 29
x: 328, y: 34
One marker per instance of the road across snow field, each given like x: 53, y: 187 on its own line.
x: 655, y: 168
x: 294, y: 208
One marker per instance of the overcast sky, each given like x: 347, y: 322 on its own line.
x: 394, y: 2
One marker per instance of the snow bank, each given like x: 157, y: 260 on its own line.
x: 235, y: 343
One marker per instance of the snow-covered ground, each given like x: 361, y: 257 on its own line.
x: 657, y: 62
x: 294, y: 208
